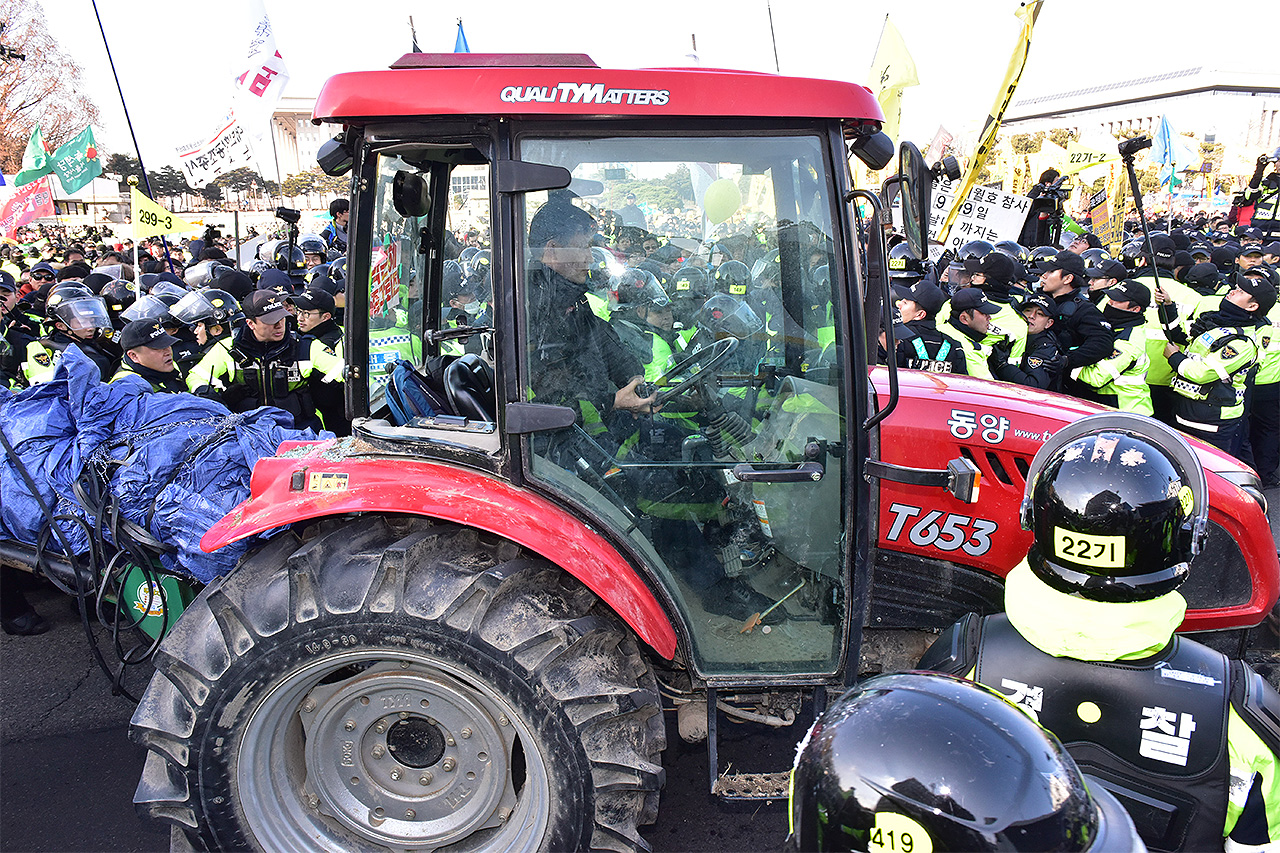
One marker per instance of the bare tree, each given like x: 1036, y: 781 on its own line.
x: 44, y: 87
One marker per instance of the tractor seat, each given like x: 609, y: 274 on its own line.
x: 468, y: 382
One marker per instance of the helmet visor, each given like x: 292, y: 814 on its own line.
x: 84, y: 314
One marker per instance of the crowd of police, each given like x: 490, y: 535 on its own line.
x: 185, y: 319
x: 1173, y: 746
x: 1182, y: 328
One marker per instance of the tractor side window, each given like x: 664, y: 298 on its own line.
x: 466, y: 291
x: 397, y: 272
x: 678, y: 297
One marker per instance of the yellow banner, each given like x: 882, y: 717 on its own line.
x: 1081, y: 157
x: 892, y: 70
x: 1027, y: 13
x: 151, y: 220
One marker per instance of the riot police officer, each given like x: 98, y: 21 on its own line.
x: 1185, y: 738
x: 918, y: 343
x: 77, y: 317
x: 1120, y: 380
x: 1210, y: 376
x: 265, y: 364
x: 927, y: 762
x: 1041, y: 366
x: 148, y: 356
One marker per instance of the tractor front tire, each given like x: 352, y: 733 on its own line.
x: 397, y: 684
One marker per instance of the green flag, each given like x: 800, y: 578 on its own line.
x: 76, y: 161
x: 35, y: 160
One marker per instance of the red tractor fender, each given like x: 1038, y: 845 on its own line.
x: 313, y: 481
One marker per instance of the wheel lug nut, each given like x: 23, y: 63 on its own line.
x: 466, y: 733
x: 378, y: 751
x: 503, y: 721
x: 425, y: 778
x: 503, y: 814
x: 380, y: 728
x: 404, y: 664
x: 308, y: 705
x: 395, y: 774
x: 349, y: 725
x: 404, y: 715
x: 448, y: 765
x: 450, y: 741
x: 410, y: 814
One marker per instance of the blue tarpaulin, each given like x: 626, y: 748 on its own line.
x: 175, y: 463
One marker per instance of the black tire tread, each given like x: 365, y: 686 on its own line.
x: 482, y: 586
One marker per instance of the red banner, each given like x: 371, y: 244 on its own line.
x: 29, y: 202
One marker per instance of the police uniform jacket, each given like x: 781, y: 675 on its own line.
x: 1210, y: 377
x: 1040, y: 367
x: 923, y: 347
x: 1120, y: 380
x: 1082, y: 334
x: 245, y: 373
x: 171, y: 382
x: 1184, y: 737
x: 43, y: 356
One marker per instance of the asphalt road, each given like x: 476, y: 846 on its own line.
x: 68, y: 769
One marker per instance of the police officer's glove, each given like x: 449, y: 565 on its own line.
x: 999, y: 355
x: 233, y: 396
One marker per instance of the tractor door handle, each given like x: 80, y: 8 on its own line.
x: 765, y: 472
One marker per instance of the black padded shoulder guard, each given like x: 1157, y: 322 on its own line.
x: 955, y: 652
x: 1257, y: 703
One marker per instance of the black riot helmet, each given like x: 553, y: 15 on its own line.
x: 733, y: 278
x: 313, y: 244
x: 939, y: 763
x: 62, y: 293
x: 338, y: 269
x: 1130, y: 252
x: 1015, y: 250
x: 289, y: 258
x: 1095, y: 257
x: 974, y: 249
x: 903, y: 263
x: 1118, y: 504
x: 1041, y: 253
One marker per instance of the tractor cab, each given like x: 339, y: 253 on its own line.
x: 650, y: 225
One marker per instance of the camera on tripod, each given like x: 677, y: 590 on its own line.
x: 288, y: 214
x: 1130, y: 147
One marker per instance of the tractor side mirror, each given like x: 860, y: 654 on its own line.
x: 336, y: 156
x: 409, y: 194
x: 916, y: 184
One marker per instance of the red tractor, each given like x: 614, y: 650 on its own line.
x: 484, y: 597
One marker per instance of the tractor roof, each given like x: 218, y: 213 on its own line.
x: 477, y: 84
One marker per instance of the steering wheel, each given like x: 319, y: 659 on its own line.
x: 709, y: 358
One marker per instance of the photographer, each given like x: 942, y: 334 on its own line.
x: 1044, y: 219
x: 1264, y: 195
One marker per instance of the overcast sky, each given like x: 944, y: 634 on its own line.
x: 176, y: 59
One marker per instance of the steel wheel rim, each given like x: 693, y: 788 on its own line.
x: 306, y: 800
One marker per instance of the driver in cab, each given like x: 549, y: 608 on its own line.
x: 577, y: 358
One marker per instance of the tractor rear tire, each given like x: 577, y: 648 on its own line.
x: 395, y: 683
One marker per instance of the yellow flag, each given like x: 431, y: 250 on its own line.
x: 150, y: 219
x: 892, y: 70
x: 1081, y: 157
x: 1027, y: 13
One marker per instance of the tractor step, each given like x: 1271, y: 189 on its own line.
x: 752, y: 786
x: 727, y: 785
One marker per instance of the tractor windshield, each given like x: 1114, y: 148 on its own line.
x: 699, y: 269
